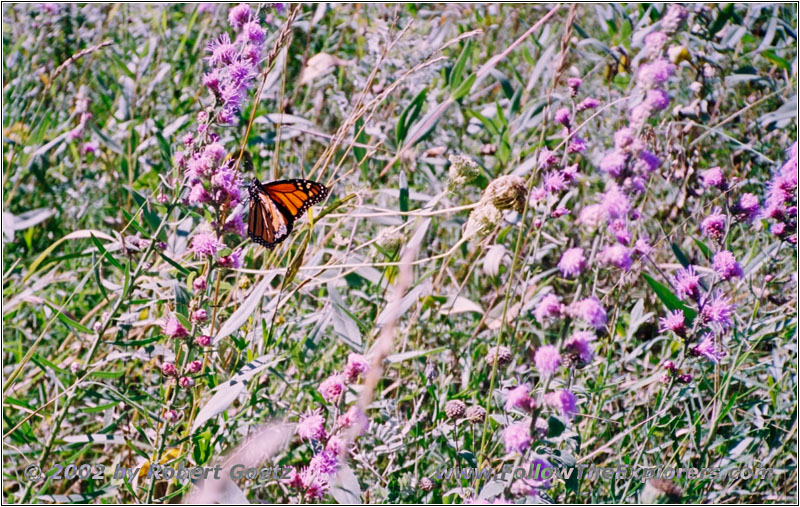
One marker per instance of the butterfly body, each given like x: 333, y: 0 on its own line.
x: 276, y: 205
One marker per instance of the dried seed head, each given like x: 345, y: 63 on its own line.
x: 500, y: 354
x: 390, y: 239
x: 425, y: 484
x: 506, y: 192
x: 463, y: 170
x: 455, y: 408
x: 476, y: 414
x: 482, y: 221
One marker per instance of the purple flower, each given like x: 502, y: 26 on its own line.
x: 579, y: 345
x: 169, y: 369
x: 618, y: 255
x: 717, y: 310
x: 199, y: 315
x: 592, y: 215
x: 587, y: 103
x: 613, y: 163
x: 642, y: 247
x: 554, y: 182
x: 547, y: 158
x: 520, y: 398
x: 707, y: 349
x: 620, y: 232
x: 236, y: 224
x: 647, y: 162
x: 687, y: 283
x: 356, y: 366
x: 570, y: 173
x: 655, y: 73
x: 312, y: 427
x: 547, y: 359
x: 747, y: 206
x: 574, y: 84
x: 639, y: 114
x: 713, y: 225
x: 591, y: 311
x: 517, y: 437
x: 222, y: 51
x: 199, y: 283
x: 173, y: 328
x: 726, y: 266
x: 324, y: 463
x: 354, y: 417
x: 713, y: 178
x: 253, y: 33
x: 332, y: 387
x: 549, y: 307
x: 657, y: 99
x: 563, y: 401
x: 233, y: 261
x: 239, y: 15
x: 203, y: 340
x: 562, y: 116
x: 654, y: 42
x: 674, y: 321
x: 194, y: 367
x: 89, y: 147
x: 623, y: 138
x: 615, y: 203
x: 206, y: 244
x: 577, y: 145
x: 198, y: 194
x: 572, y: 262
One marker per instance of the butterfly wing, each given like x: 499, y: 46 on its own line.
x: 275, y: 206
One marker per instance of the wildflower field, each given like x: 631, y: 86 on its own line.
x: 551, y: 235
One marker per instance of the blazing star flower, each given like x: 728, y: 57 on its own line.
x: 222, y: 50
x: 517, y: 437
x: 547, y: 359
x: 587, y: 103
x: 657, y: 99
x: 623, y: 138
x: 570, y: 173
x: 613, y: 163
x: 647, y: 163
x: 620, y: 231
x: 239, y: 15
x: 169, y: 369
x: 748, y: 206
x: 577, y: 145
x: 173, y: 328
x: 591, y: 311
x: 356, y: 418
x: 520, y: 398
x: 236, y: 224
x: 592, y: 216
x: 562, y: 116
x: 618, y: 255
x: 206, y: 244
x: 574, y: 84
x: 547, y: 158
x: 639, y: 114
x: 654, y: 43
x: 331, y: 388
x: 572, y: 262
x: 713, y: 178
x: 312, y: 427
x: 554, y: 182
x: 579, y: 345
x: 318, y: 485
x: 687, y: 283
x: 655, y: 73
x: 707, y: 349
x: 199, y: 315
x: 718, y: 310
x: 233, y: 261
x: 253, y: 33
x: 356, y: 366
x: 615, y: 203
x: 726, y: 266
x: 564, y: 401
x: 198, y: 194
x: 674, y: 321
x: 713, y: 225
x: 335, y: 446
x: 549, y: 307
x: 88, y: 148
x: 675, y: 15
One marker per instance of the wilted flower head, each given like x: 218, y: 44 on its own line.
x: 173, y: 328
x: 520, y: 398
x: 517, y: 437
x: 500, y: 354
x: 572, y: 262
x: 726, y: 266
x: 476, y: 414
x: 463, y: 170
x: 591, y: 311
x: 455, y: 409
x: 547, y: 359
x: 506, y: 192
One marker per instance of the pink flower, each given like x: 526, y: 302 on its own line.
x: 687, y: 283
x: 356, y: 418
x: 234, y: 260
x: 707, y: 349
x: 726, y: 266
x: 253, y: 33
x: 198, y: 194
x: 331, y: 388
x: 655, y: 73
x: 89, y: 147
x: 588, y: 103
x: 563, y: 401
x: 579, y: 344
x: 356, y: 366
x: 618, y: 255
x: 591, y: 311
x: 548, y: 308
x: 324, y: 463
x: 642, y: 247
x: 747, y: 207
x: 199, y: 283
x: 592, y: 215
x: 547, y: 158
x: 173, y: 328
x: 713, y: 225
x: 335, y: 445
x: 206, y: 244
x: 171, y: 416
x: 203, y: 341
x: 647, y: 163
x: 517, y: 437
x: 623, y: 138
x: 554, y: 182
x: 713, y: 178
x: 657, y: 99
x: 574, y: 84
x: 562, y: 116
x: 547, y: 359
x: 169, y: 369
x: 718, y: 310
x: 615, y: 203
x: 312, y: 427
x: 613, y: 163
x: 194, y: 367
x: 674, y: 322
x: 654, y: 42
x: 239, y: 15
x: 186, y: 382
x: 520, y: 398
x: 572, y: 262
x: 577, y: 145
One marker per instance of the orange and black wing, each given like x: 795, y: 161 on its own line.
x: 275, y: 206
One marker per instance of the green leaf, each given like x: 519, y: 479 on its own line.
x: 680, y: 255
x: 704, y: 248
x: 110, y: 258
x: 465, y: 87
x: 404, y: 196
x: 408, y: 116
x: 669, y: 299
x: 457, y: 72
x: 770, y: 55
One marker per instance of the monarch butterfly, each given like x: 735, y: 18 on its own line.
x: 276, y: 205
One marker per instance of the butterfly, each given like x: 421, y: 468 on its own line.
x: 275, y: 206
